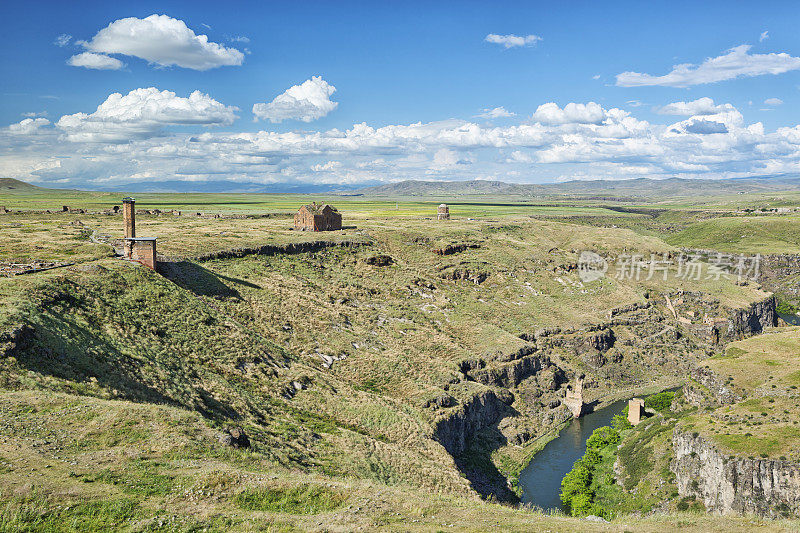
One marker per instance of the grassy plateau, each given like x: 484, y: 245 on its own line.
x: 395, y: 375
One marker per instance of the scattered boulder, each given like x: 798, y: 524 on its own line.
x: 440, y: 401
x: 380, y: 260
x: 451, y: 249
x: 425, y: 284
x: 551, y: 378
x: 603, y: 340
x: 475, y: 277
x: 235, y: 438
x: 597, y: 359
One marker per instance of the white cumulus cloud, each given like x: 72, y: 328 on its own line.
x: 164, y: 41
x: 519, y: 157
x: 95, y: 61
x: 763, y: 37
x: 28, y: 126
x: 308, y: 101
x: 736, y: 63
x: 773, y: 101
x: 143, y: 113
x: 701, y: 106
x: 511, y: 40
x: 572, y: 113
x: 497, y: 112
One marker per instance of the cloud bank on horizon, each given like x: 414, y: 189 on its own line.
x: 128, y: 139
x: 154, y: 134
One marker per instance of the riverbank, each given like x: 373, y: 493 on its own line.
x: 513, y: 464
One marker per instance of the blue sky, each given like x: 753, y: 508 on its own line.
x: 390, y: 66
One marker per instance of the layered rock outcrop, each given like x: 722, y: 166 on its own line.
x: 753, y: 319
x: 272, y: 249
x: 718, y: 392
x: 511, y: 374
x: 455, y: 430
x: 765, y: 487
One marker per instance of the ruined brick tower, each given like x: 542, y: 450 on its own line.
x: 574, y: 397
x: 635, y: 410
x: 139, y: 249
x: 129, y: 213
x: 443, y: 213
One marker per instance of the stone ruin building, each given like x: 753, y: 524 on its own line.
x: 635, y: 410
x: 574, y: 398
x: 443, y: 213
x: 139, y: 249
x: 317, y: 217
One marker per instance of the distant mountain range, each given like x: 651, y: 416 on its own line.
x: 635, y: 188
x: 622, y: 190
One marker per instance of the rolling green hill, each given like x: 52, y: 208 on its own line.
x: 10, y: 184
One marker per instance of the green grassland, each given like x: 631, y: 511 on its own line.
x: 337, y: 369
x: 256, y: 203
x: 765, y: 373
x: 744, y: 235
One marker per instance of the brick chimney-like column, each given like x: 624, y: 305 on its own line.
x: 129, y: 213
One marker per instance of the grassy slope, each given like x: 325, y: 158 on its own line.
x: 746, y: 235
x: 765, y: 370
x: 225, y: 338
x: 80, y: 463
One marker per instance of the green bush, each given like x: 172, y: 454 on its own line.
x: 659, y: 402
x: 576, y: 497
x: 786, y: 308
x: 620, y: 423
x: 576, y: 482
x: 602, y: 437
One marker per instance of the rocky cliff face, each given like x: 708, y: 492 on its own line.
x: 764, y: 487
x: 719, y: 392
x: 456, y: 429
x: 753, y: 319
x: 511, y: 374
x: 285, y: 249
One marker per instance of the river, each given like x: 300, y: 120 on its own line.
x: 541, y: 479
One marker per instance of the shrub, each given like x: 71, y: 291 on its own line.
x: 574, y: 483
x: 786, y: 308
x: 576, y: 496
x: 602, y: 437
x: 659, y: 402
x: 620, y: 423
